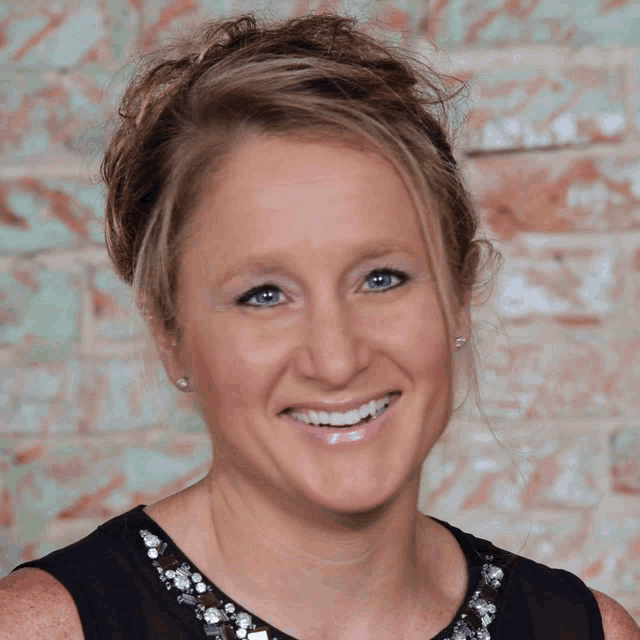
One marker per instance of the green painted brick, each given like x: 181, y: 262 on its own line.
x: 47, y: 310
x: 51, y: 214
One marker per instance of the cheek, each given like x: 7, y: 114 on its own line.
x: 417, y: 337
x: 234, y: 366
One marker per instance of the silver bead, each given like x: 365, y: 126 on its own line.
x: 212, y: 615
x: 181, y: 582
x: 151, y: 541
x: 243, y: 620
x: 183, y: 383
x: 460, y: 342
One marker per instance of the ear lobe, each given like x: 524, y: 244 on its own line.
x: 464, y: 318
x: 168, y: 349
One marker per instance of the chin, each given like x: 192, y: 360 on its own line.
x: 354, y: 502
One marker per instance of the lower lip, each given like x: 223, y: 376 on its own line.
x: 345, y: 436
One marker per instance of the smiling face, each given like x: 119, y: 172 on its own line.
x: 336, y: 322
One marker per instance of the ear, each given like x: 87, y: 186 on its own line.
x: 170, y: 351
x: 463, y: 326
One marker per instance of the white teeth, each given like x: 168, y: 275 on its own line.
x: 336, y: 419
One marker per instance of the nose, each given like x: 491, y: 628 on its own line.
x: 334, y: 352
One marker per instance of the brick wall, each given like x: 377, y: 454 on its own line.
x: 551, y: 151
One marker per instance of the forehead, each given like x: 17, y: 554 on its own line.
x: 277, y: 192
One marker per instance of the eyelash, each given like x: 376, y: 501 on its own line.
x: 244, y: 299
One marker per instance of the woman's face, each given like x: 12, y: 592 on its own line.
x: 307, y: 282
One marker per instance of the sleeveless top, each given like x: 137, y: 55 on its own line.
x: 130, y: 581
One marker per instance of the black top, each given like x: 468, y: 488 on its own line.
x: 130, y: 581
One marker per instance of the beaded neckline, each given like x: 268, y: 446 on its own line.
x: 224, y: 619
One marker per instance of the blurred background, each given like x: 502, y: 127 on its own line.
x: 551, y: 149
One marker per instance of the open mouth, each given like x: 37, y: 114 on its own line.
x: 300, y: 417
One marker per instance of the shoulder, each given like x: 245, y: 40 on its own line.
x: 37, y: 606
x: 616, y: 620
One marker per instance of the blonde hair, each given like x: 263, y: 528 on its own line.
x: 316, y: 77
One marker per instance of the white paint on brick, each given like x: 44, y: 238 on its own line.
x: 597, y: 282
x: 518, y: 299
x: 634, y: 179
x: 611, y: 123
x: 532, y: 378
x: 512, y: 126
x: 547, y: 449
x: 533, y: 138
x: 628, y: 240
x: 506, y: 497
x: 71, y: 41
x: 580, y: 194
x: 485, y: 465
x: 565, y: 128
x: 526, y: 57
x: 493, y: 138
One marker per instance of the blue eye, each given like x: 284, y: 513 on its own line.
x: 270, y: 292
x: 384, y: 276
x: 267, y: 291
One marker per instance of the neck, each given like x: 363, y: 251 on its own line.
x: 361, y: 565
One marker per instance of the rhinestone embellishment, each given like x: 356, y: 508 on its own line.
x: 223, y: 622
x: 480, y: 611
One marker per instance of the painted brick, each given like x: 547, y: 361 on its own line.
x: 61, y: 114
x: 635, y: 89
x: 575, y: 192
x: 67, y: 33
x: 121, y: 402
x: 43, y: 399
x: 560, y: 470
x: 527, y: 109
x: 624, y: 444
x: 7, y: 506
x: 40, y: 309
x: 10, y: 553
x: 579, y: 23
x: 39, y: 213
x: 161, y: 19
x: 111, y: 301
x: 542, y: 371
x: 573, y: 285
x: 97, y: 480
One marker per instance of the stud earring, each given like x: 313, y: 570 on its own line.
x: 460, y: 342
x: 183, y: 383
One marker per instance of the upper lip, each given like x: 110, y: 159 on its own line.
x: 342, y: 407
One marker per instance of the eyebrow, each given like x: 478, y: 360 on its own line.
x: 265, y: 266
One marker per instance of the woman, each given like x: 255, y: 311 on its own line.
x: 289, y: 213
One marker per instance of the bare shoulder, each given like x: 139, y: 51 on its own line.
x: 616, y: 620
x: 34, y: 605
